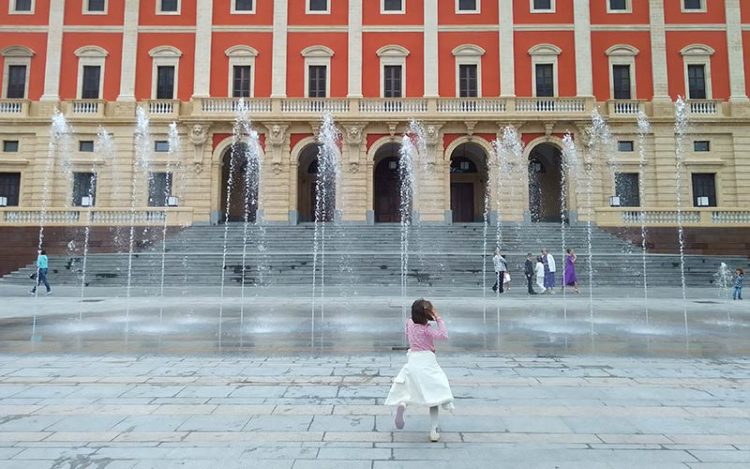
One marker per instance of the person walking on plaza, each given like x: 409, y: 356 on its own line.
x: 539, y: 271
x: 528, y: 271
x: 739, y: 275
x: 421, y: 381
x: 569, y: 272
x: 501, y: 270
x: 42, y: 267
x: 549, y: 271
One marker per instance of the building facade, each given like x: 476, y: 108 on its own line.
x: 466, y: 69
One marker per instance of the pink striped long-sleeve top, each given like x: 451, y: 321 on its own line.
x: 422, y: 336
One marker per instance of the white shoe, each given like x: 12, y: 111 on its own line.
x: 434, y: 436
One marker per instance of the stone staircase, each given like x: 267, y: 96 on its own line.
x: 439, y: 255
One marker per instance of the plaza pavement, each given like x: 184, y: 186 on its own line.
x: 113, y: 411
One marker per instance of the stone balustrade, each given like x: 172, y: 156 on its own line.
x: 79, y: 216
x: 666, y: 217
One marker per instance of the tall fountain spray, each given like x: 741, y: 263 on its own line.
x: 680, y: 130
x: 570, y: 168
x: 644, y: 129
x: 326, y: 188
x: 60, y: 133
x: 141, y: 164
x: 173, y: 139
x: 409, y: 158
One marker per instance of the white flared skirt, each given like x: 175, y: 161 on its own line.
x: 421, y: 382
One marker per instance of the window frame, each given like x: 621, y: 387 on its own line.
x: 383, y: 11
x: 630, y: 142
x: 168, y: 183
x: 703, y: 8
x: 468, y: 54
x: 633, y: 176
x: 622, y: 54
x: 90, y: 56
x: 477, y: 10
x: 716, y: 188
x: 12, y: 8
x: 309, y: 11
x: 16, y: 55
x: 698, y: 54
x: 19, y: 194
x: 315, y: 56
x: 234, y: 11
x: 159, y: 11
x: 240, y: 55
x: 86, y: 11
x: 628, y: 7
x: 552, y: 7
x: 7, y: 142
x: 165, y: 56
x: 159, y: 148
x: 545, y: 54
x: 708, y: 146
x: 80, y: 145
x: 91, y: 192
x: 392, y: 55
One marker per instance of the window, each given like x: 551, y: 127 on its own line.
x: 169, y: 6
x: 467, y: 81
x: 467, y: 6
x: 165, y: 82
x: 241, y: 81
x: 696, y: 81
x: 95, y: 6
x: 392, y: 81
x: 543, y: 6
x: 625, y: 145
x: 86, y: 146
x: 704, y: 189
x: 91, y: 82
x: 392, y: 6
x: 22, y: 6
x: 10, y: 146
x: 10, y: 187
x: 627, y: 188
x: 545, y: 81
x: 621, y: 81
x: 84, y: 185
x: 392, y: 71
x: 693, y: 5
x: 316, y: 84
x: 161, y: 146
x: 618, y: 6
x: 159, y: 189
x: 701, y: 145
x: 243, y: 6
x: 317, y: 6
x: 16, y: 88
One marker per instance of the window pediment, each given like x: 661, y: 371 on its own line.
x: 317, y: 51
x: 392, y: 51
x: 165, y: 51
x: 241, y: 51
x: 622, y: 50
x: 468, y: 50
x: 17, y: 51
x: 545, y: 50
x: 91, y: 51
x: 697, y: 50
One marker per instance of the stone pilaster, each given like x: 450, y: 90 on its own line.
x: 129, y: 54
x: 738, y: 97
x: 507, y: 49
x: 278, y: 70
x: 662, y: 103
x: 582, y: 24
x: 355, y: 48
x: 54, y: 51
x: 203, y: 35
x: 431, y: 48
x: 352, y: 197
x: 277, y: 168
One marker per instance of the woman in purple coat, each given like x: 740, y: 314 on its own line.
x: 569, y: 275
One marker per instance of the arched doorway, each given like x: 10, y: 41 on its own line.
x: 243, y: 197
x: 307, y: 187
x: 544, y: 183
x: 468, y: 173
x: 386, y: 184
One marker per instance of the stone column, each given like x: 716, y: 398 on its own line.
x: 507, y: 49
x: 355, y: 49
x: 738, y: 98
x: 54, y: 51
x: 277, y: 168
x: 662, y: 103
x: 278, y: 88
x: 430, y: 177
x: 664, y: 166
x: 203, y: 35
x: 431, y: 48
x: 352, y: 194
x: 582, y: 19
x: 129, y: 54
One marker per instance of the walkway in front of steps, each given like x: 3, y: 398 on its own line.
x: 299, y: 411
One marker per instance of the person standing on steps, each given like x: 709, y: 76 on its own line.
x: 421, y: 381
x: 501, y: 269
x: 528, y: 271
x: 739, y: 275
x: 42, y: 267
x: 539, y: 271
x: 569, y: 272
x: 549, y: 271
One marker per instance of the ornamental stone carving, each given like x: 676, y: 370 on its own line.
x: 354, y: 134
x: 432, y: 134
x: 198, y: 137
x: 277, y: 134
x: 354, y: 167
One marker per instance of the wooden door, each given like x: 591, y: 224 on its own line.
x: 387, y: 196
x: 462, y: 202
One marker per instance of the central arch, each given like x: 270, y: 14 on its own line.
x: 386, y: 184
x: 307, y: 187
x: 545, y: 191
x: 243, y: 197
x: 468, y: 182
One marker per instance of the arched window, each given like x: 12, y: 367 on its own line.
x: 91, y: 60
x: 622, y: 71
x: 165, y: 71
x: 16, y: 71
x: 241, y: 71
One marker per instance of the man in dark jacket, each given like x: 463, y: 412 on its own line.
x: 528, y: 271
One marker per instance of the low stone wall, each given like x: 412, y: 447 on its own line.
x: 706, y: 241
x: 19, y: 245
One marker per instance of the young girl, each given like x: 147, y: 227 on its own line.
x: 739, y: 275
x: 421, y: 381
x: 539, y: 271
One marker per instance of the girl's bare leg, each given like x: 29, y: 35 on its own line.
x: 400, y: 416
x: 434, y: 435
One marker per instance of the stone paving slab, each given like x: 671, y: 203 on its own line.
x: 133, y: 412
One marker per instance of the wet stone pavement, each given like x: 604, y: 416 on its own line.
x: 116, y: 411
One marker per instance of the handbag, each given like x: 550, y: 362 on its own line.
x: 32, y: 276
x: 506, y: 278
